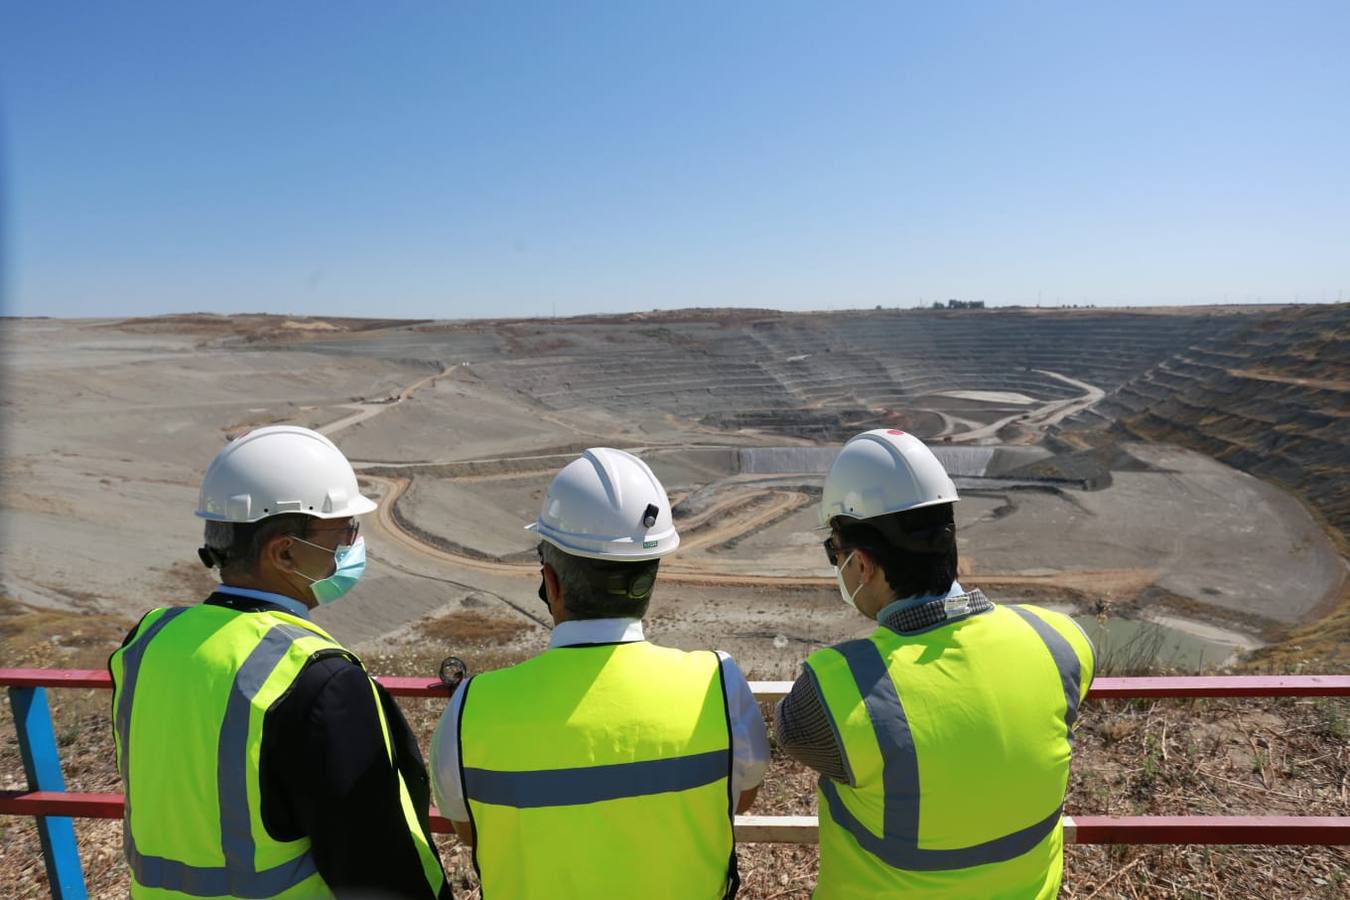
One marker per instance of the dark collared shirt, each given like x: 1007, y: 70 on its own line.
x: 325, y: 775
x: 802, y: 722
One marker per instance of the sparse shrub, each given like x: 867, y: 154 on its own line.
x: 1332, y: 721
x: 1139, y: 654
x: 1153, y: 761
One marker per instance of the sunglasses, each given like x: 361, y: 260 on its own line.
x: 349, y: 533
x: 832, y: 552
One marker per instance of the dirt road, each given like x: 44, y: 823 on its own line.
x: 1118, y: 583
x: 366, y: 411
x: 1323, y: 383
x: 1042, y: 417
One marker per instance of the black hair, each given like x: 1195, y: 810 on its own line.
x: 916, y: 549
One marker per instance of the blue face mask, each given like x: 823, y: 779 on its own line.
x: 350, y: 561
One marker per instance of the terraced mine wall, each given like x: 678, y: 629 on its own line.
x: 825, y: 376
x: 971, y: 462
x: 818, y: 376
x: 1271, y: 398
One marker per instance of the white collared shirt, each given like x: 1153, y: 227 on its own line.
x: 290, y: 604
x: 749, y: 741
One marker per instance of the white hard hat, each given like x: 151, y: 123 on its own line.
x: 884, y: 471
x: 280, y: 469
x: 607, y: 504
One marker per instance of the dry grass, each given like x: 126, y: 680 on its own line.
x: 52, y: 639
x: 32, y: 637
x: 1321, y: 646
x: 1216, y: 757
x: 1281, y: 757
x: 465, y: 627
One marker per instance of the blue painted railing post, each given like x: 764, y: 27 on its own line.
x: 42, y: 765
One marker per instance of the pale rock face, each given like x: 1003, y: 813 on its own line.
x: 461, y: 425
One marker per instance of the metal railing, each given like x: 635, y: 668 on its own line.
x: 53, y: 808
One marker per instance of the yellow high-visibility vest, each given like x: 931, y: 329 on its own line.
x: 190, y: 690
x: 600, y: 771
x: 957, y: 741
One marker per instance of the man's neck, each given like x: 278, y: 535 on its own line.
x: 898, y: 603
x: 615, y: 630
x: 267, y: 586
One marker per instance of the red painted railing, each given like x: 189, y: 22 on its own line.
x: 1270, y: 830
x: 53, y: 807
x: 1141, y: 688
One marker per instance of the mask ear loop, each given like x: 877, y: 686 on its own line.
x: 332, y: 550
x: 849, y: 598
x: 296, y: 537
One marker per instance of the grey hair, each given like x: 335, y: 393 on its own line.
x: 600, y: 589
x: 235, y: 546
x: 219, y: 536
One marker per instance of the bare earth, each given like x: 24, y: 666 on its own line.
x: 112, y: 424
x: 456, y: 428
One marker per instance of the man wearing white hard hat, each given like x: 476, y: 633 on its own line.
x: 942, y: 738
x: 606, y: 766
x: 258, y: 757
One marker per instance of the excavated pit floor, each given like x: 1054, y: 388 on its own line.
x: 108, y: 430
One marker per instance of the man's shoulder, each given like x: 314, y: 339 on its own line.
x: 336, y: 666
x: 161, y: 615
x: 326, y: 682
x: 1053, y: 617
x: 553, y: 662
x: 676, y: 653
x: 837, y: 655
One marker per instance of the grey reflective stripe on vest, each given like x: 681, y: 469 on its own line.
x: 898, y: 845
x: 237, y: 877
x: 1066, y: 660
x: 200, y: 881
x: 592, y: 784
x: 236, y: 825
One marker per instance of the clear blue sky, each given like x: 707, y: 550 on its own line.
x: 465, y: 159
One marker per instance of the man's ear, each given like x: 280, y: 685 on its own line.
x: 867, y: 566
x: 552, y: 588
x: 276, y: 554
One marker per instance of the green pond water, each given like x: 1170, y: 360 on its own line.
x: 1125, y: 641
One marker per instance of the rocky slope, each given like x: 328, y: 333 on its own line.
x: 1270, y: 397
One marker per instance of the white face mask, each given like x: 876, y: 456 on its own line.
x: 843, y: 588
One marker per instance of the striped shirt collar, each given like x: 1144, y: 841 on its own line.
x: 290, y: 604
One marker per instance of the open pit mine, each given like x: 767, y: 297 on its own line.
x: 1175, y: 478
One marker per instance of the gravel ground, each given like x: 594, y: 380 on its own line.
x: 1229, y: 757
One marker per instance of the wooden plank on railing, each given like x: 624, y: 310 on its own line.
x: 777, y: 829
x: 1151, y: 687
x: 749, y: 829
x: 1148, y: 687
x: 1268, y: 830
x: 770, y: 690
x: 60, y: 678
x: 60, y: 803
